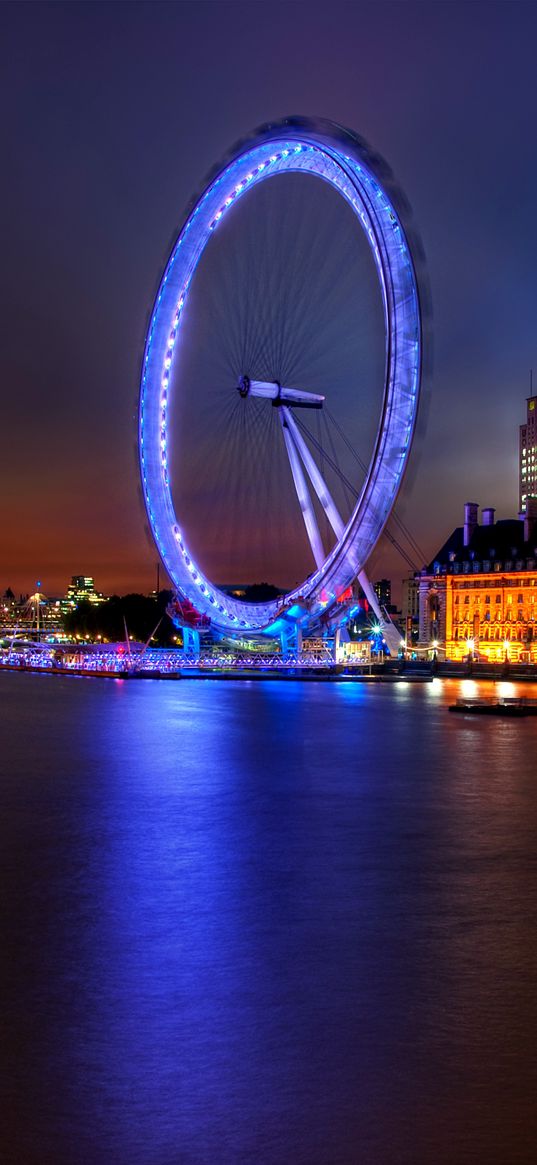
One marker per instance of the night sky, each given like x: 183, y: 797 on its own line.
x: 112, y: 116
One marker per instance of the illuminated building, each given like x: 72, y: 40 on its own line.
x: 383, y: 591
x: 410, y: 609
x: 528, y: 455
x: 479, y: 596
x: 82, y: 586
x: 410, y: 603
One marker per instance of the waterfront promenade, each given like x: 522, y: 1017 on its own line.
x: 162, y: 663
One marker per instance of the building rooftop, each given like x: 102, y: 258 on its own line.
x: 499, y: 546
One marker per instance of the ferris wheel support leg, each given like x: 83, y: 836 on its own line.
x: 291, y: 640
x: 191, y: 641
x: 296, y: 447
x: 370, y: 595
x: 303, y: 494
x: 314, y: 474
x: 391, y: 634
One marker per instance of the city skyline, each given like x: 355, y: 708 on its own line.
x: 98, y: 120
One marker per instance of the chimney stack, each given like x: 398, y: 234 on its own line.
x: 530, y: 518
x: 470, y: 521
x: 487, y: 516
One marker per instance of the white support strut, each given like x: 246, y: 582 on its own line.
x: 371, y: 596
x: 315, y: 476
x: 295, y: 445
x: 301, y: 487
x: 390, y: 632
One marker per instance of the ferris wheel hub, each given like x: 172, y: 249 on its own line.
x: 278, y: 395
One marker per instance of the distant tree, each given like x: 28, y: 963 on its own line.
x: 139, y: 613
x: 261, y: 593
x: 8, y: 594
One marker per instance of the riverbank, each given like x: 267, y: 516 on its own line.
x: 172, y: 665
x: 330, y: 674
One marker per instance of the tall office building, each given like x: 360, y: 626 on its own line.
x: 410, y: 604
x: 383, y: 591
x: 528, y: 456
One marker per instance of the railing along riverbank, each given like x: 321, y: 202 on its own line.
x: 162, y: 663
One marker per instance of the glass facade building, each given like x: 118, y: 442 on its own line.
x: 528, y: 456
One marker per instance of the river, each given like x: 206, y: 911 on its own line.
x: 265, y: 923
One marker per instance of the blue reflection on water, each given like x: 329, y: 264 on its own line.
x: 265, y: 922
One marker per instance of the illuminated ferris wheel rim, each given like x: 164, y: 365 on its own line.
x: 343, y: 160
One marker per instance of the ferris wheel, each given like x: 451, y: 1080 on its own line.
x: 339, y: 158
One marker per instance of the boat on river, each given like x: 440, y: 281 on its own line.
x: 483, y: 706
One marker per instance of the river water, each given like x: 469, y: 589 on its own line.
x: 265, y: 922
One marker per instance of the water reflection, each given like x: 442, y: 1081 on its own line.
x: 280, y: 922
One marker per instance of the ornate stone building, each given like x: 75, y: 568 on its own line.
x: 479, y: 595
